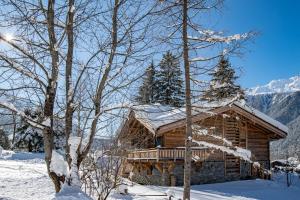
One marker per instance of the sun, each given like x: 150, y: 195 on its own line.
x: 8, y: 37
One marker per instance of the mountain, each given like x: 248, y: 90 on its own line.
x: 280, y: 99
x: 277, y: 86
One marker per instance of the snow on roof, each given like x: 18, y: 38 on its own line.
x: 156, y: 115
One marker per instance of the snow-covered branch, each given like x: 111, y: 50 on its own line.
x: 17, y: 67
x: 236, y: 151
x: 32, y: 122
x: 218, y: 37
x: 25, y: 53
x: 197, y: 130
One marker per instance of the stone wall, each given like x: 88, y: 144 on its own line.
x: 202, y: 172
x: 143, y: 178
x: 245, y: 170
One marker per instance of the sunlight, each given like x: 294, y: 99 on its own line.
x: 8, y: 37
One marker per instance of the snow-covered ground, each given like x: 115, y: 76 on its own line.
x: 237, y: 190
x: 24, y: 176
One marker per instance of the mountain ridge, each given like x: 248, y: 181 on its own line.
x: 284, y: 106
x: 289, y: 85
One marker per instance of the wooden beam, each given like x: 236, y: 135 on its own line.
x: 171, y: 167
x: 238, y: 110
x: 159, y: 167
x: 257, y: 120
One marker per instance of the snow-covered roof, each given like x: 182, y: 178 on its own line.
x: 156, y: 115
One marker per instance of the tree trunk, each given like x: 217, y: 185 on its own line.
x: 68, y: 78
x: 188, y: 138
x: 50, y: 95
x: 15, y: 127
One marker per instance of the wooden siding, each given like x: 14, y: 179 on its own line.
x: 241, y: 131
x: 174, y: 138
x: 258, y: 143
x: 232, y: 133
x: 137, y: 136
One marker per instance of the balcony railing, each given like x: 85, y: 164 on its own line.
x: 199, y: 154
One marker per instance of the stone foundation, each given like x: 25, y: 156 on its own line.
x: 202, y: 172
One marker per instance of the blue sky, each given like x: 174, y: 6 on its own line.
x: 275, y: 52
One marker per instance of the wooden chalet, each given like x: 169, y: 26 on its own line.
x: 154, y: 139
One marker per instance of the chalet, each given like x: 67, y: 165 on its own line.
x: 154, y: 139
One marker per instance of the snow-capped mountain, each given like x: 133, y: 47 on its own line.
x: 280, y: 99
x: 277, y: 86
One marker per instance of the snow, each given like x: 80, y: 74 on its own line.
x: 23, y: 176
x: 199, y: 58
x: 11, y: 107
x: 214, y: 37
x: 170, y: 193
x: 236, y: 151
x: 122, y: 189
x: 72, y: 9
x: 47, y: 122
x: 277, y: 86
x: 293, y: 161
x: 197, y: 130
x: 256, y: 164
x: 58, y: 164
x: 73, y: 174
x: 218, y: 85
x: 27, y: 179
x: 156, y: 115
x: 275, y: 189
x: 71, y: 193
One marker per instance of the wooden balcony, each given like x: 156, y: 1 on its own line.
x: 162, y: 154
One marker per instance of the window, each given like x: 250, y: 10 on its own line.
x: 159, y: 141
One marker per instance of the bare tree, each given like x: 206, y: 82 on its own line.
x: 199, y: 48
x: 101, y: 171
x: 94, y: 45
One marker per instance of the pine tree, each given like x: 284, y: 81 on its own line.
x: 169, y: 82
x: 31, y: 139
x: 147, y: 89
x: 222, y: 84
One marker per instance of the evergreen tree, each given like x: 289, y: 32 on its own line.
x: 147, y: 89
x: 27, y: 137
x: 222, y: 84
x: 169, y: 82
x: 30, y: 139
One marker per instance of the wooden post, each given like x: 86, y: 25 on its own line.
x: 165, y: 175
x: 159, y: 168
